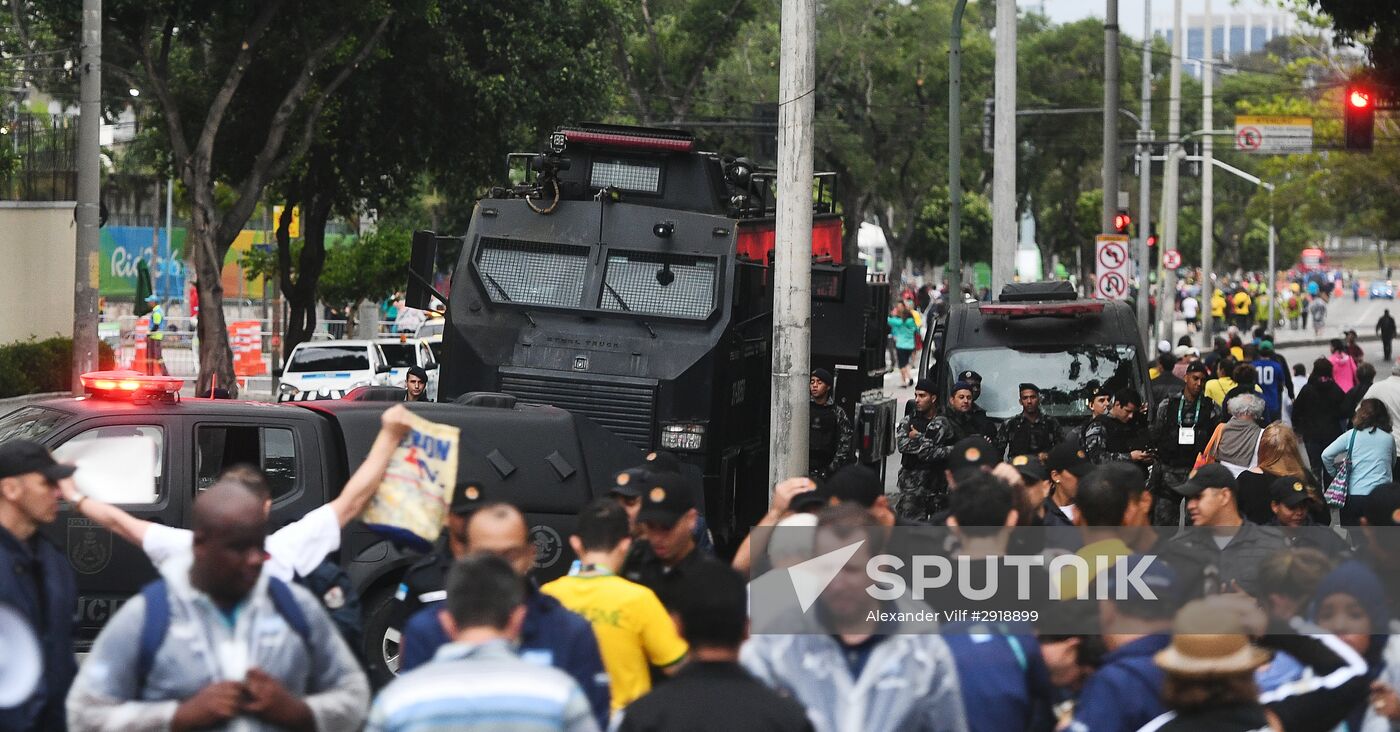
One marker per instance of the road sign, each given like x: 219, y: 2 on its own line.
x: 1171, y: 259
x: 1273, y: 135
x: 1113, y: 267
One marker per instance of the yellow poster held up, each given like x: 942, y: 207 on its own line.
x: 410, y: 506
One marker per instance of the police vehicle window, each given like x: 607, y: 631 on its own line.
x: 272, y: 449
x: 330, y: 358
x: 399, y: 355
x: 1066, y: 375
x: 436, y: 347
x: 29, y: 423
x: 627, y: 175
x: 659, y: 284
x: 534, y: 273
x: 83, y: 441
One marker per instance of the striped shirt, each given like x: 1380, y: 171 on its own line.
x: 482, y: 687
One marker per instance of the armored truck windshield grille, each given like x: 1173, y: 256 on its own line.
x: 625, y: 409
x: 531, y: 272
x: 627, y: 175
x: 659, y: 284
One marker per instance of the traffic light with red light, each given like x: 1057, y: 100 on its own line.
x: 1152, y: 241
x: 1359, y: 117
x: 1122, y: 222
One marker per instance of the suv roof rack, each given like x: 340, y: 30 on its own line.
x: 1038, y: 291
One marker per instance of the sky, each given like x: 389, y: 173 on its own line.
x: 1130, y: 11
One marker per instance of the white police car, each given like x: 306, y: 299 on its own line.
x: 328, y: 369
x: 403, y: 352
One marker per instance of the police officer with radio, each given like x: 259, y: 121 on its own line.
x: 832, y: 440
x: 1119, y: 436
x: 924, y: 439
x: 1182, y: 427
x: 1032, y: 432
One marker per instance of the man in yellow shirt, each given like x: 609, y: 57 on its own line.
x: 1241, y: 302
x: 634, y: 630
x: 1217, y: 309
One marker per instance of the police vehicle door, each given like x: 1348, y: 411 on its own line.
x: 286, y: 451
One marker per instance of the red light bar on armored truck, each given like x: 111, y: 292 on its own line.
x: 129, y: 384
x: 756, y: 240
x: 1011, y: 309
x: 627, y: 141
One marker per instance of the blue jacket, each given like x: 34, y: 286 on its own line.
x: 26, y: 570
x: 1371, y: 457
x: 1005, y: 684
x: 553, y: 636
x: 903, y: 330
x: 1126, y: 692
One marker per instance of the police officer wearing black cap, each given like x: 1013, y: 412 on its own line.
x: 1099, y: 400
x: 924, y: 439
x: 416, y: 385
x: 627, y: 491
x: 1289, y: 501
x: 662, y: 559
x: 832, y: 439
x: 426, y: 581
x: 1180, y: 430
x: 36, y: 578
x: 986, y: 426
x: 1031, y: 432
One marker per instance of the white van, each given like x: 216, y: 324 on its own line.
x: 328, y: 369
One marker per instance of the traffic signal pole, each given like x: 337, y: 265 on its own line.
x: 1145, y: 266
x: 1208, y: 174
x: 1004, y: 227
x: 1110, y: 118
x: 792, y: 277
x: 1171, y: 177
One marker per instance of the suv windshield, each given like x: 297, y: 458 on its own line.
x: 400, y: 355
x: 1066, y: 375
x: 330, y: 358
x: 30, y: 423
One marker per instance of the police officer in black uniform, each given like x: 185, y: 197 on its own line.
x: 832, y: 440
x: 986, y: 426
x: 663, y: 558
x: 1120, y: 435
x: 1032, y: 432
x: 426, y: 580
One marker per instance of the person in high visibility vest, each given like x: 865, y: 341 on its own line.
x: 156, y: 337
x: 1241, y: 302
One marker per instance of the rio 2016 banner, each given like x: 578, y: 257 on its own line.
x: 123, y: 246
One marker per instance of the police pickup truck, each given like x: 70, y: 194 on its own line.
x: 546, y: 461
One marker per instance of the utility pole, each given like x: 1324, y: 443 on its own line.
x: 1145, y: 267
x: 1110, y: 118
x: 1004, y: 150
x: 1207, y: 172
x: 955, y: 155
x: 792, y: 276
x: 89, y: 190
x: 1171, y: 178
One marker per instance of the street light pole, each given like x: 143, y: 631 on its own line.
x: 1207, y: 173
x: 85, y: 266
x: 1110, y: 118
x: 1145, y: 267
x: 1004, y: 150
x: 1171, y: 178
x: 955, y: 155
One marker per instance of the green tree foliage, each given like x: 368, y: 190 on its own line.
x: 372, y: 268
x: 930, y: 241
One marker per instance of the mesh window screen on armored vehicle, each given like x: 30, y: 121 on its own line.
x: 627, y: 175
x: 533, y: 273
x: 659, y: 284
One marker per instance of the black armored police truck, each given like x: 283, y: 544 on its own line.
x: 546, y: 461
x: 1041, y: 333
x: 626, y: 276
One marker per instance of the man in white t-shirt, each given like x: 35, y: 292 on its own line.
x: 294, y: 550
x: 1191, y: 311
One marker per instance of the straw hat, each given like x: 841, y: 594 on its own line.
x: 1221, y: 653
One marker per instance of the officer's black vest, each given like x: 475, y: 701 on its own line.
x: 821, y: 447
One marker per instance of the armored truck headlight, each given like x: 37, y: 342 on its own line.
x: 683, y: 436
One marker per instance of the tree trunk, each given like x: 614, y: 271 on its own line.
x: 215, y: 354
x: 301, y: 293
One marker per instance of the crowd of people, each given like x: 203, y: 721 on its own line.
x: 651, y: 630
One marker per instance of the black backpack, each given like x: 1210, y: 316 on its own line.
x: 332, y: 586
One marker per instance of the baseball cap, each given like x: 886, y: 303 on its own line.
x: 1382, y: 506
x: 467, y: 497
x: 1030, y: 468
x: 1164, y: 346
x: 972, y: 452
x: 21, y: 457
x: 970, y: 375
x: 1197, y: 367
x: 1288, y: 490
x: 152, y: 298
x: 661, y: 461
x: 812, y: 500
x: 856, y: 484
x: 629, y: 482
x: 1213, y: 475
x: 1071, y: 457
x: 665, y: 498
